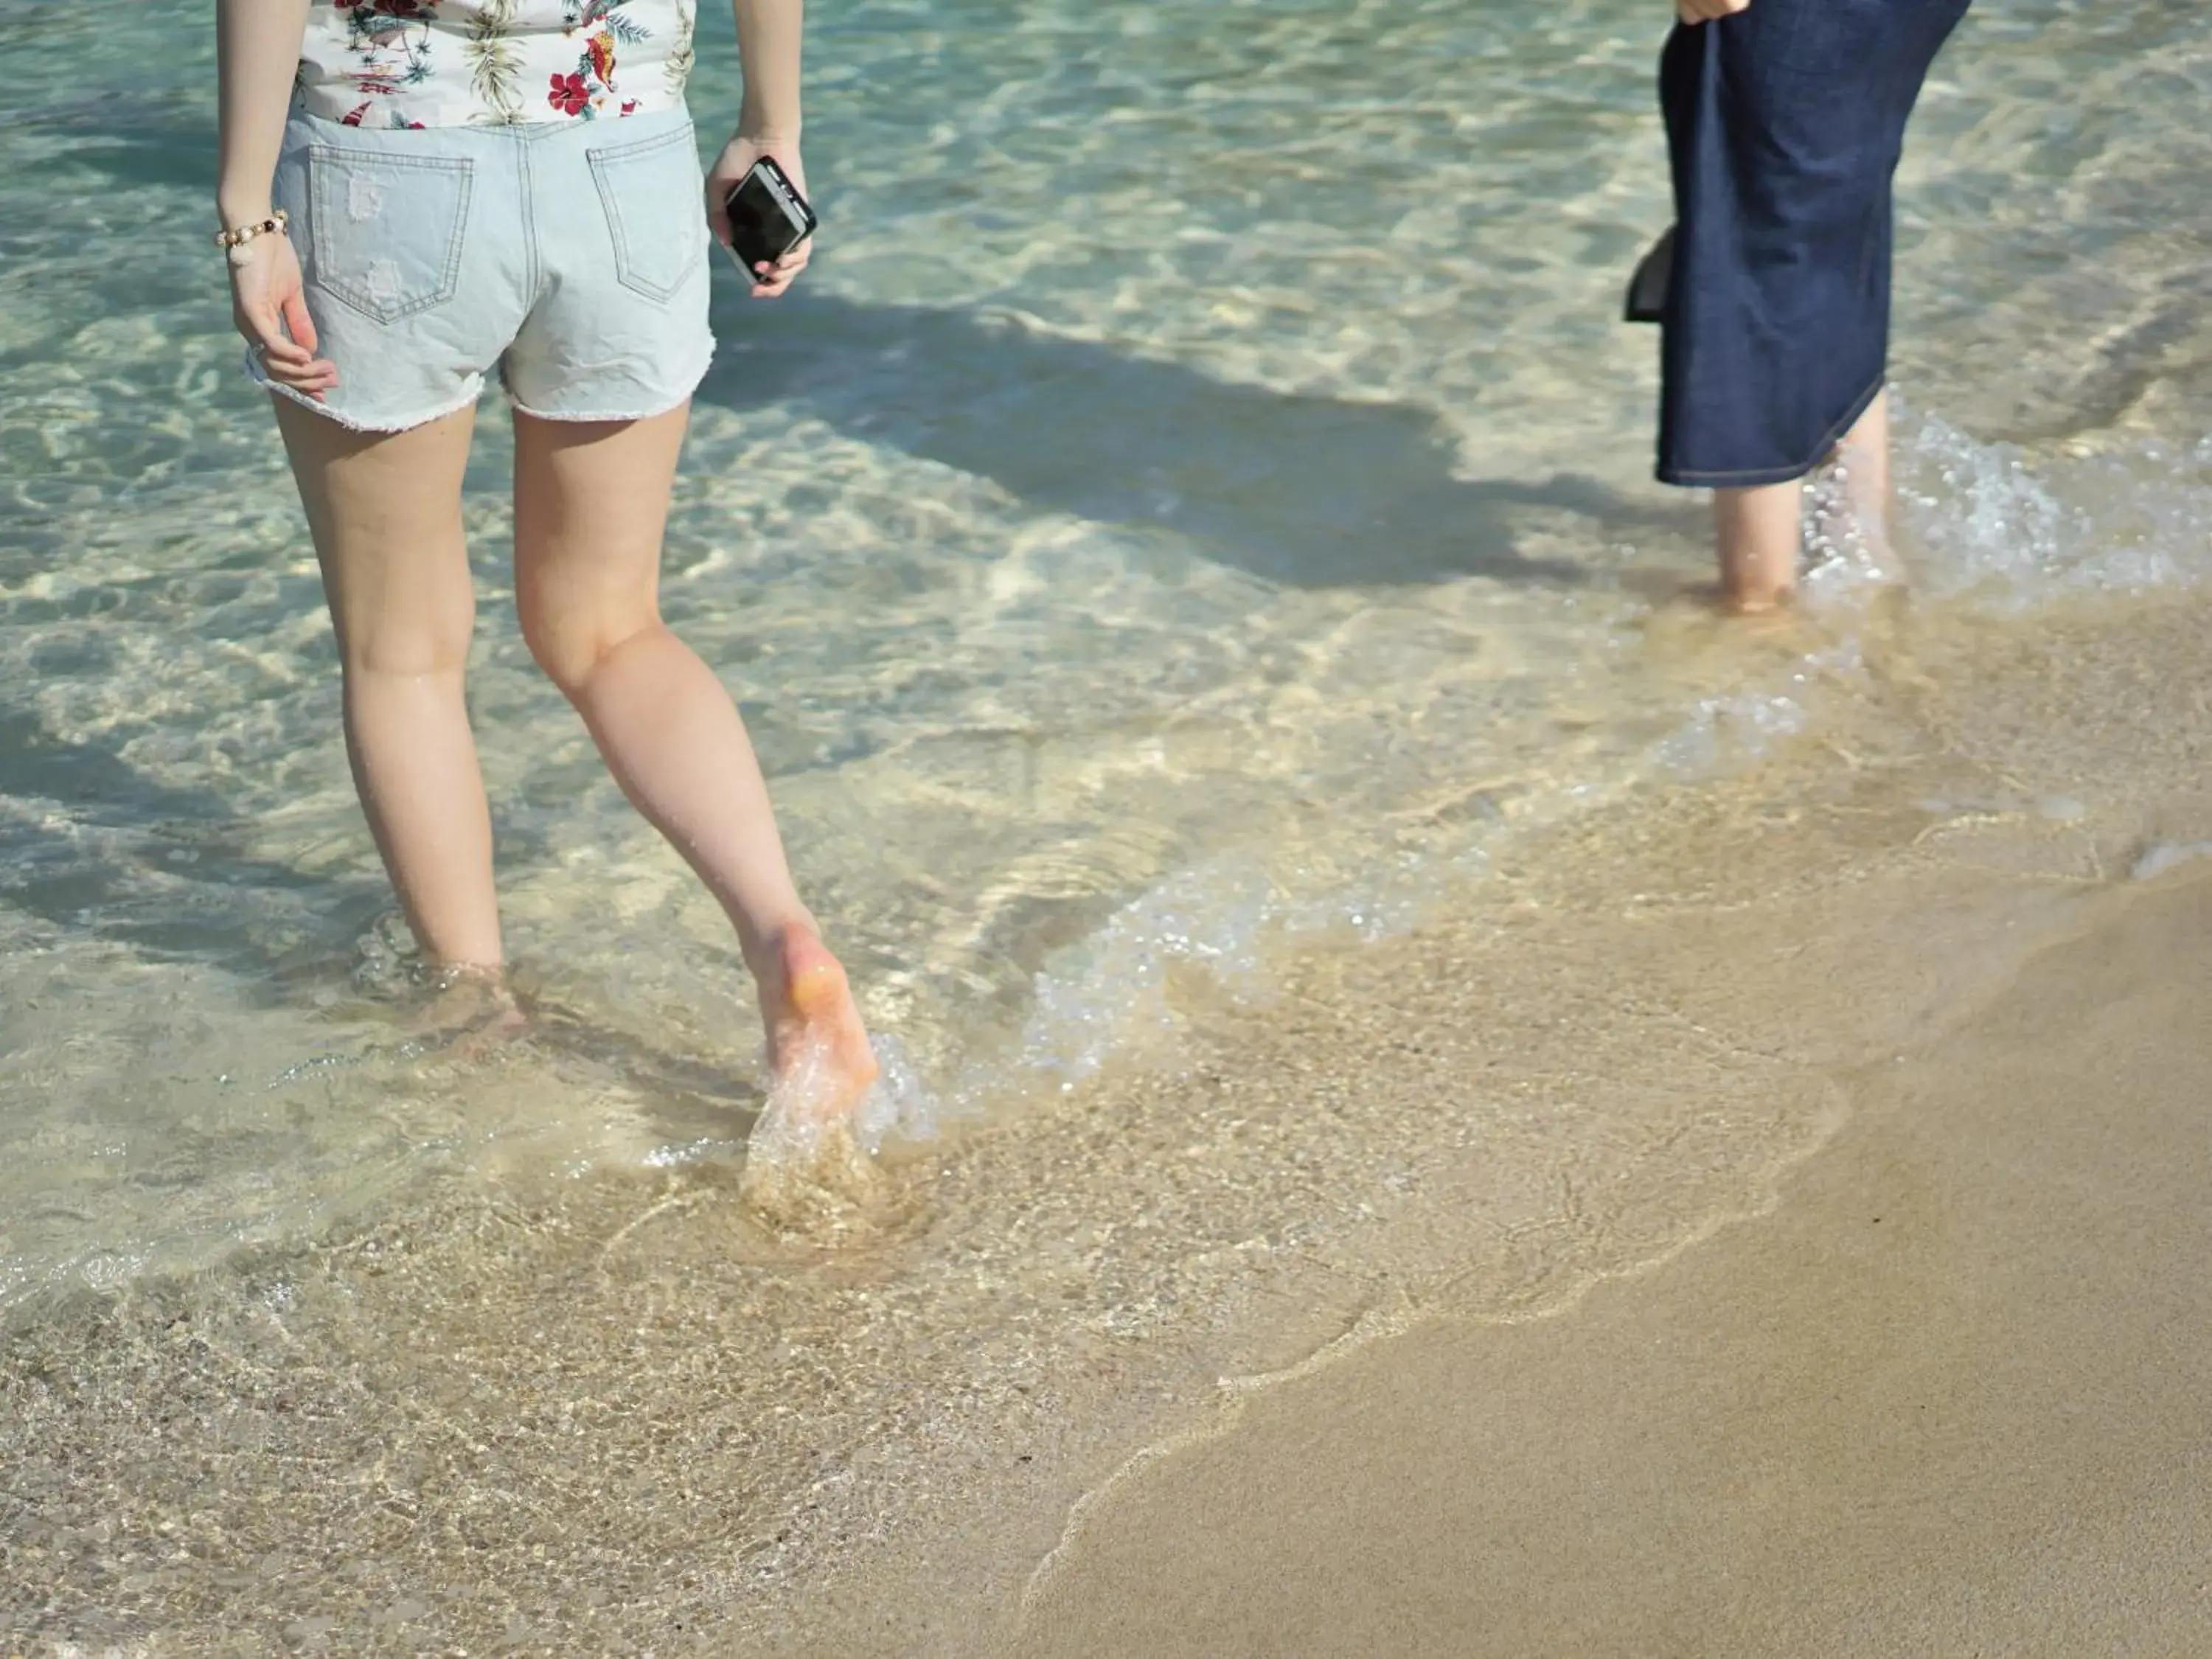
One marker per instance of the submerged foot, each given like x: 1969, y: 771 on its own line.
x: 473, y: 1013
x: 806, y: 1169
x: 1757, y: 602
x: 818, y: 1055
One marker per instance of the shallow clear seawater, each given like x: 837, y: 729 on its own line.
x: 1199, y: 501
x: 1200, y: 495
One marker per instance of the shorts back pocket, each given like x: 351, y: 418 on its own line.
x: 655, y: 200
x: 386, y: 232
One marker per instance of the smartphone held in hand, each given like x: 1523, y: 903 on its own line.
x: 768, y: 215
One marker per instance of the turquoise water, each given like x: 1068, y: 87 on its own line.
x: 1198, y: 501
x: 1199, y: 494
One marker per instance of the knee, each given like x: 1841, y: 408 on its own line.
x: 408, y: 646
x: 570, y: 641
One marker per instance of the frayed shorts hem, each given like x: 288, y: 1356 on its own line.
x: 608, y: 416
x: 475, y: 394
x: 359, y: 423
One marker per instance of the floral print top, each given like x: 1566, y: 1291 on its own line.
x: 450, y: 63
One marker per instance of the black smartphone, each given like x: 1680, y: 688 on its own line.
x: 768, y: 216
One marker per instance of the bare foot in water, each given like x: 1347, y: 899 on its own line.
x: 819, y: 1057
x: 806, y: 1171
x: 473, y: 1013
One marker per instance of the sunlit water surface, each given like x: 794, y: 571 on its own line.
x: 1198, y: 498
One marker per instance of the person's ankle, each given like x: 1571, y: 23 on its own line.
x: 766, y: 950
x: 1756, y: 599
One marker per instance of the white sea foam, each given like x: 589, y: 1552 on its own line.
x: 2160, y: 857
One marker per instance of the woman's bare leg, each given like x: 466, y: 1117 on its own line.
x: 1760, y: 531
x: 1864, y: 457
x: 384, y: 509
x: 591, y: 502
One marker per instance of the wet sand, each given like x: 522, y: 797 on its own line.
x: 1949, y: 1396
x: 1484, y: 1198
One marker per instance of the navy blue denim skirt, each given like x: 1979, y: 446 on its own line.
x: 1784, y: 123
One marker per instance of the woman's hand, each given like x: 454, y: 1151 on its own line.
x: 270, y: 311
x: 737, y: 160
x: 1705, y: 11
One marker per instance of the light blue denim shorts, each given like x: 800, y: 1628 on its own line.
x: 571, y: 256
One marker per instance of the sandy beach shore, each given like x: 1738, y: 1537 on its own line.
x: 1512, y: 1285
x: 1883, y: 1336
x: 1950, y: 1396
x: 1440, y: 1095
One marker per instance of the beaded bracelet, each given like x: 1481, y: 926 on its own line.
x: 234, y: 242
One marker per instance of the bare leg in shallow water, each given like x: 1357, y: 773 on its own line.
x: 1759, y: 531
x: 384, y: 509
x: 591, y: 502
